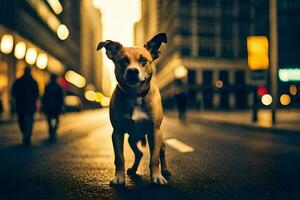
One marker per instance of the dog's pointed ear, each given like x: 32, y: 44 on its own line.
x: 154, y: 44
x: 111, y: 47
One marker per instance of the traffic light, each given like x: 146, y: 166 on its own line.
x: 261, y: 91
x: 258, y: 52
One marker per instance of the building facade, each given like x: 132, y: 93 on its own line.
x: 208, y: 38
x: 47, y: 35
x: 91, y: 34
x: 288, y: 15
x: 146, y: 28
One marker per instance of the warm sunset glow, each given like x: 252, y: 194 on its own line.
x: 118, y: 18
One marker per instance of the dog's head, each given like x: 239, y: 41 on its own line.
x: 133, y: 65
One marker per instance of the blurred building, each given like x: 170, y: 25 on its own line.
x: 207, y: 48
x: 288, y: 15
x: 47, y: 35
x: 208, y: 39
x: 146, y: 28
x: 91, y: 35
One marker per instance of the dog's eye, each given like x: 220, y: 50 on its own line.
x: 143, y: 60
x: 124, y: 61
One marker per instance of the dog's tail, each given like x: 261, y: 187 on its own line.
x: 144, y: 141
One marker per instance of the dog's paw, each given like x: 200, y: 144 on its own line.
x: 166, y: 173
x: 158, y: 179
x: 131, y: 171
x: 117, y: 180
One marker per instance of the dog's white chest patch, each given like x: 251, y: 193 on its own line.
x: 138, y: 113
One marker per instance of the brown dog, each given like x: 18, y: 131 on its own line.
x: 136, y: 107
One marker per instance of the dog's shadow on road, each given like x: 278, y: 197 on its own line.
x: 139, y: 187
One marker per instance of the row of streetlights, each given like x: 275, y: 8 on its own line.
x: 21, y: 51
x: 90, y: 95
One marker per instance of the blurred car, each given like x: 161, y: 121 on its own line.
x: 72, y: 103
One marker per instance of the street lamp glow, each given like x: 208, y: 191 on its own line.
x: 20, y: 50
x: 56, y: 6
x: 62, y: 32
x: 75, y: 78
x: 258, y: 52
x: 105, y: 101
x: 219, y: 84
x: 42, y: 61
x: 285, y: 99
x: 180, y: 72
x: 266, y: 99
x: 90, y: 95
x: 293, y: 90
x: 31, y: 55
x: 7, y: 43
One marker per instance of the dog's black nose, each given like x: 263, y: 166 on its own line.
x: 132, y: 73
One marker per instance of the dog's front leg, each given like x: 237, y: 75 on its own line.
x: 118, y: 141
x: 155, y: 143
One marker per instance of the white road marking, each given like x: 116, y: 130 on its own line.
x: 179, y: 146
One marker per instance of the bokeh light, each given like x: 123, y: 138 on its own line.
x: 285, y: 99
x: 219, y: 84
x: 62, y: 32
x: 266, y: 99
x: 180, y: 72
x: 56, y: 6
x: 31, y: 55
x: 20, y: 50
x: 42, y: 61
x: 90, y: 95
x: 75, y: 78
x: 7, y: 43
x: 293, y: 89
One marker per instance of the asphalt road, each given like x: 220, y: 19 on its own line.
x: 221, y: 163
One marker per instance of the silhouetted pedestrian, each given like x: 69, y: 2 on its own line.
x: 1, y: 106
x: 53, y: 102
x: 25, y: 93
x: 181, y: 98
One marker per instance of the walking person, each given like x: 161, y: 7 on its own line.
x: 181, y: 98
x: 53, y: 102
x: 25, y: 93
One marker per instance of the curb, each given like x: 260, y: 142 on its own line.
x: 269, y: 130
x: 10, y: 121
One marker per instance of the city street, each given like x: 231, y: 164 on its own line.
x: 219, y: 162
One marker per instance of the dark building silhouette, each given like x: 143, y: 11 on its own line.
x: 208, y: 38
x: 288, y: 37
x: 51, y: 33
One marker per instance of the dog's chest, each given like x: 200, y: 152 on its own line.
x: 138, y: 112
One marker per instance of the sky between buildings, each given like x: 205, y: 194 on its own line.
x: 118, y: 18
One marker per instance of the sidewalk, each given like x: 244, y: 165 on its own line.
x: 288, y: 121
x: 6, y: 118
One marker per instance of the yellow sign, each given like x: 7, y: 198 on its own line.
x: 258, y: 52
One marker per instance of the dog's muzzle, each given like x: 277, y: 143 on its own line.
x: 132, y: 76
